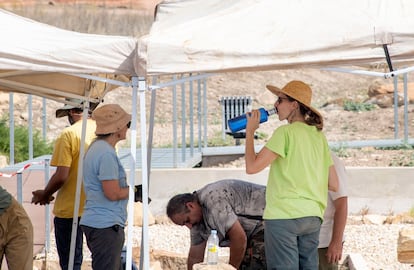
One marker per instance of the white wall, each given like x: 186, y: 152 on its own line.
x: 380, y: 190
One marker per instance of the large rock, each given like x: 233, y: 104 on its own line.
x: 405, y: 246
x: 138, y: 215
x: 403, y: 218
x: 385, y: 100
x: 374, y: 219
x: 382, y: 94
x: 3, y: 162
x: 381, y: 88
x: 355, y: 261
x: 42, y: 264
x: 160, y: 259
x: 219, y: 266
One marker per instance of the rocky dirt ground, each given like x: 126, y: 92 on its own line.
x: 378, y: 249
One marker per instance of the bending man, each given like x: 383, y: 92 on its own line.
x: 232, y: 207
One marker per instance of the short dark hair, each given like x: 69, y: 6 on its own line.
x: 77, y: 110
x: 177, y: 204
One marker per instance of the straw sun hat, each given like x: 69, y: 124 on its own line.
x: 297, y: 90
x: 110, y: 118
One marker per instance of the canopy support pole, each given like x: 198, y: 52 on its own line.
x: 144, y: 256
x: 396, y: 124
x: 151, y: 128
x: 133, y: 155
x: 79, y: 182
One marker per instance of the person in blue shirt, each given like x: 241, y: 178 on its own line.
x: 106, y: 188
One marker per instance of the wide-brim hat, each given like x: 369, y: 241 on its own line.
x: 74, y: 103
x: 110, y: 118
x: 297, y: 90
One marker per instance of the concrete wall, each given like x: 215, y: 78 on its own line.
x: 378, y: 190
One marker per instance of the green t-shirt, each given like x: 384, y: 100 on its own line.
x: 298, y: 179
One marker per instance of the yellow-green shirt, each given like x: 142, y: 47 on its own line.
x: 298, y: 180
x: 66, y: 154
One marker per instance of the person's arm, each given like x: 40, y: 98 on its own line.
x: 238, y: 244
x: 196, y: 254
x: 255, y: 163
x: 334, y: 253
x: 333, y: 181
x: 113, y: 191
x: 58, y: 179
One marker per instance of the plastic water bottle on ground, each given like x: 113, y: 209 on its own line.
x: 212, y: 248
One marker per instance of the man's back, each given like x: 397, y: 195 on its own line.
x: 223, y: 202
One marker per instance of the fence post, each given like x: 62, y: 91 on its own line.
x: 20, y: 187
x: 47, y: 209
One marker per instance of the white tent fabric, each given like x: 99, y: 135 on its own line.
x: 43, y: 60
x: 35, y: 57
x: 247, y: 35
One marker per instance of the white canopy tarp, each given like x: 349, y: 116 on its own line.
x: 47, y: 61
x: 247, y: 35
x: 39, y: 59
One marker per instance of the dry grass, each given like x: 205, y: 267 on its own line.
x: 90, y: 19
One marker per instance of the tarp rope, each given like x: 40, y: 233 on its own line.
x: 387, y: 56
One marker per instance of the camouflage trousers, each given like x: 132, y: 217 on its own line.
x: 254, y: 258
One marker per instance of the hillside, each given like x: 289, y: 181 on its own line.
x: 340, y: 125
x: 329, y: 87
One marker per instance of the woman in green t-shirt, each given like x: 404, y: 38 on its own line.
x: 297, y: 187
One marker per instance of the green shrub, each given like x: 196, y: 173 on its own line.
x: 353, y: 106
x: 217, y: 140
x: 405, y: 146
x: 411, y: 212
x: 21, y: 142
x: 341, y: 152
x: 261, y: 135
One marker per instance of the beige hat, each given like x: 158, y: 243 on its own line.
x: 74, y: 104
x: 297, y: 90
x: 65, y: 109
x: 110, y: 118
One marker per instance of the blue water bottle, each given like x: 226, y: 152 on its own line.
x: 238, y: 123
